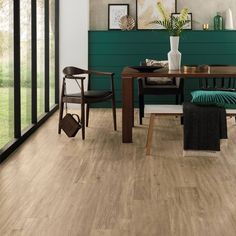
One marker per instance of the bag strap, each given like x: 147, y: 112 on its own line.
x: 65, y: 94
x: 77, y: 117
x: 66, y: 103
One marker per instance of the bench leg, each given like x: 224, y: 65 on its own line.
x: 150, y: 133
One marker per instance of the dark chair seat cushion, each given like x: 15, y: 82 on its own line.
x: 92, y: 94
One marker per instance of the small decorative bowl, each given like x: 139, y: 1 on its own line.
x: 146, y: 68
x: 196, y: 68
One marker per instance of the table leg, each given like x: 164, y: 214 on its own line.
x: 127, y: 109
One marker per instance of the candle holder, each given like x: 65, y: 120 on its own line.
x: 205, y: 26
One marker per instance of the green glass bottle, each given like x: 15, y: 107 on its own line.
x: 218, y: 22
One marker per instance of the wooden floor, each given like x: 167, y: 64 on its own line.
x: 57, y: 186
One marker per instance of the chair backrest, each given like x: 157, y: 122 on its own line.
x: 71, y: 73
x: 71, y: 70
x: 176, y: 80
x: 217, y: 83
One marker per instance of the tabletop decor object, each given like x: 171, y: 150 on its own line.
x: 218, y: 22
x: 196, y: 68
x: 146, y: 68
x: 205, y: 26
x: 175, y: 25
x: 229, y: 25
x: 127, y: 23
x: 146, y: 12
x: 115, y: 13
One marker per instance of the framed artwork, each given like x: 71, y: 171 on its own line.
x: 147, y: 11
x: 115, y: 12
x: 188, y: 26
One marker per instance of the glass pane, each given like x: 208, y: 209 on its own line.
x: 40, y: 57
x: 52, y: 50
x: 25, y: 27
x: 6, y: 72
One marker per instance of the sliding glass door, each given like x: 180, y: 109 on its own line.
x: 29, y: 61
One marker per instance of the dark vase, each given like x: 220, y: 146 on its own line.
x: 218, y: 22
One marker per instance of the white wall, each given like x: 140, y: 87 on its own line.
x: 203, y: 11
x: 74, y: 25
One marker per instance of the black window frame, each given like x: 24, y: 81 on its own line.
x: 19, y: 135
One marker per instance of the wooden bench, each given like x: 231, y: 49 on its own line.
x: 166, y: 110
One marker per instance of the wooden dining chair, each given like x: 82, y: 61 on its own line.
x: 158, y: 87
x: 175, y: 88
x: 85, y: 97
x: 222, y: 84
x: 227, y: 84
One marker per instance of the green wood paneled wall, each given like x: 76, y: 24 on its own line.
x: 113, y: 50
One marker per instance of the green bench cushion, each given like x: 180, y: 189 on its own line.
x: 218, y: 98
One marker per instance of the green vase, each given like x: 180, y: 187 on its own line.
x: 218, y: 22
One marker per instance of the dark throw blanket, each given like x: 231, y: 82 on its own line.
x: 204, y: 126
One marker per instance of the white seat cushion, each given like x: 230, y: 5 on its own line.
x: 158, y: 80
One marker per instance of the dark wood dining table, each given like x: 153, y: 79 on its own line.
x: 129, y: 74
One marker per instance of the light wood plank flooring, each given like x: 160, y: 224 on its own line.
x: 56, y: 186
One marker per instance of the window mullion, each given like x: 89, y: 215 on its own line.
x: 57, y: 74
x: 46, y: 89
x: 34, y: 59
x: 17, y: 92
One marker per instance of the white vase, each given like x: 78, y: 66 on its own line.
x: 174, y: 56
x: 229, y: 25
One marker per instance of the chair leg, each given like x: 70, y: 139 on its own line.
x: 141, y: 109
x: 181, y: 102
x: 181, y: 98
x: 176, y: 99
x: 83, y: 121
x: 60, y: 116
x: 87, y: 115
x: 114, y: 112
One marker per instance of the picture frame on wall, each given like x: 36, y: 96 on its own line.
x: 115, y: 12
x: 188, y: 26
x: 146, y: 12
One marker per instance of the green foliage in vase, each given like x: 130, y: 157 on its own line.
x: 174, y: 25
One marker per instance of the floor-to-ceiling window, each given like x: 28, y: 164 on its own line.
x: 26, y: 58
x: 40, y: 56
x: 52, y: 50
x: 6, y: 72
x: 28, y: 68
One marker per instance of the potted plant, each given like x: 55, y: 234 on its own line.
x: 175, y: 26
